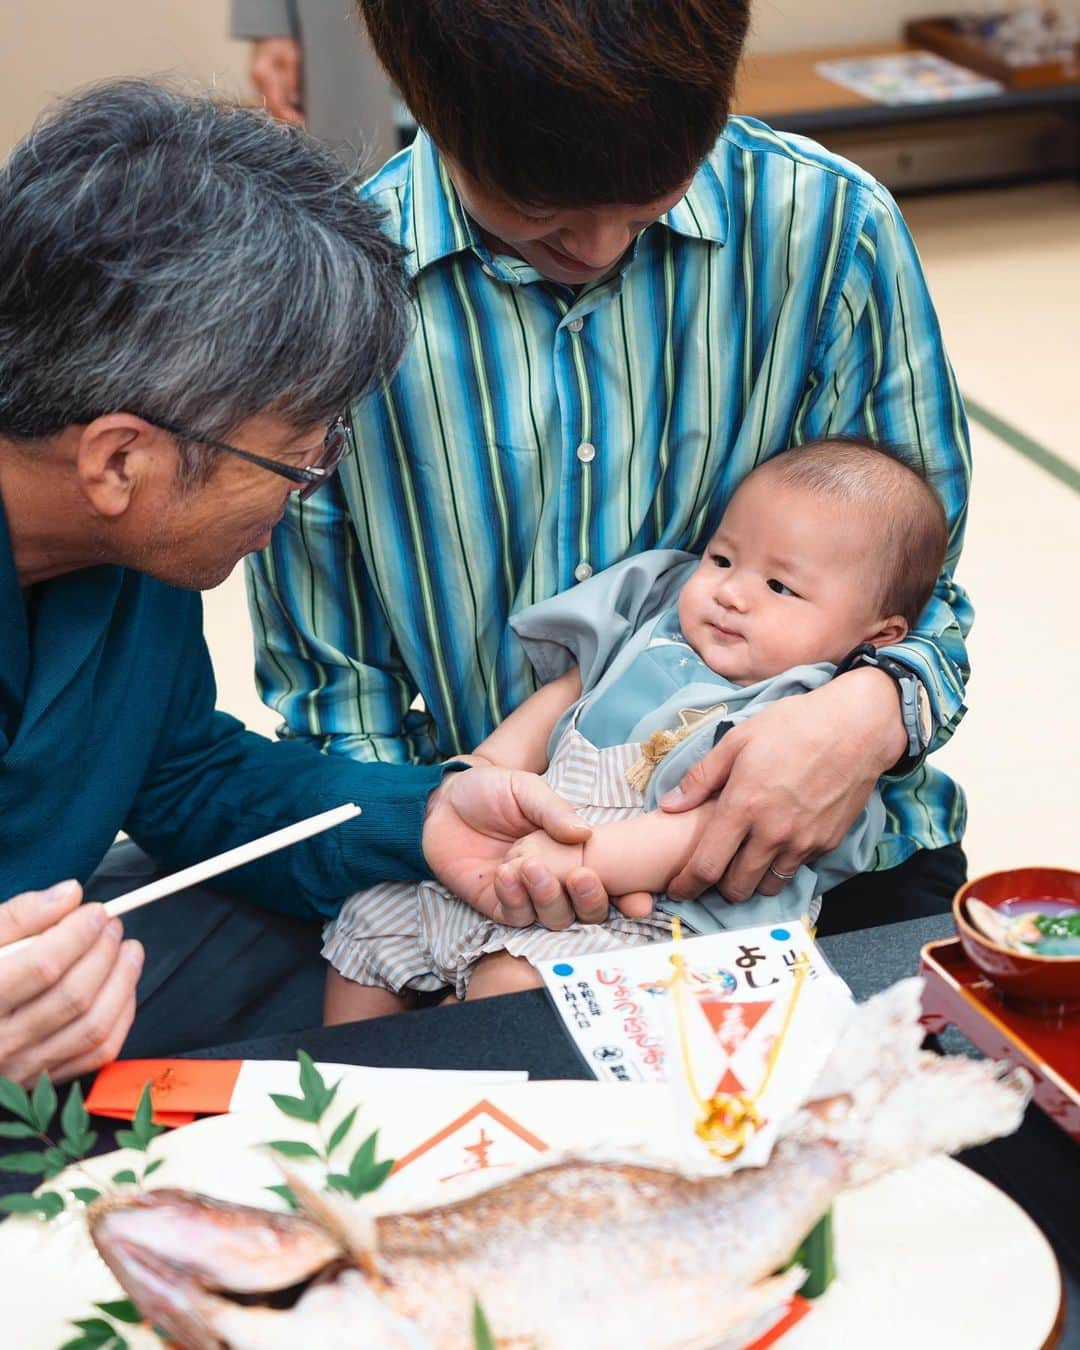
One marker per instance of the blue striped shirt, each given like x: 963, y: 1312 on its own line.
x: 535, y: 434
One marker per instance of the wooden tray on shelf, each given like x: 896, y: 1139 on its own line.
x: 939, y: 35
x: 955, y: 993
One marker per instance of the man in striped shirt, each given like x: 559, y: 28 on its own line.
x: 624, y: 301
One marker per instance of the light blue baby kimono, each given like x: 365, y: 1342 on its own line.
x: 639, y: 675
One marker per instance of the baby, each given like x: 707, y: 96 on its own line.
x: 643, y: 667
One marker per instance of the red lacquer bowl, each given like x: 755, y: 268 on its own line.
x: 1022, y: 978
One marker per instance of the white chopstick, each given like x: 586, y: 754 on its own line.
x: 224, y: 862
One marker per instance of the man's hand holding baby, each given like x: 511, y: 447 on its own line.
x: 793, y: 778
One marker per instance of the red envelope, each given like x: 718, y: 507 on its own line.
x: 180, y: 1089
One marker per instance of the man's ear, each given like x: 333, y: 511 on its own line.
x: 115, y: 456
x: 889, y: 631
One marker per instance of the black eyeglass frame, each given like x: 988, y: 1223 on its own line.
x: 337, y: 443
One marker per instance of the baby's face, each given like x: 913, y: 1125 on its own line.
x: 790, y: 578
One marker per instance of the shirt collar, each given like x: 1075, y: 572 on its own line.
x: 702, y: 213
x: 434, y: 223
x: 435, y: 226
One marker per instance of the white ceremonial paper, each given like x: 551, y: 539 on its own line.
x: 259, y: 1077
x: 743, y: 995
x: 614, y: 1003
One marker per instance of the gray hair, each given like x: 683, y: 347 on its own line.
x: 188, y: 261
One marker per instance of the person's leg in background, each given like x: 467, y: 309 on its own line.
x: 922, y: 885
x: 216, y: 969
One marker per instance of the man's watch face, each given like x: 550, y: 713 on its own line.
x: 924, y: 713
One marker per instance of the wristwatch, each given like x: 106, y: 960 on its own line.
x: 915, y: 709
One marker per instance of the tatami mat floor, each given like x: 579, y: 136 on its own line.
x: 1004, y: 268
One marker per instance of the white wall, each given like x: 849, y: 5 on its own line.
x: 48, y: 47
x: 785, y: 25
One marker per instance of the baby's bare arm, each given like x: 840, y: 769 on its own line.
x: 639, y: 854
x: 520, y: 741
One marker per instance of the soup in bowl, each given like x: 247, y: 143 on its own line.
x: 1021, y: 928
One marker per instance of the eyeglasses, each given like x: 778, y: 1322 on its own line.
x: 336, y: 445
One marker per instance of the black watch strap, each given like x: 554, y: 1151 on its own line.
x: 914, y: 703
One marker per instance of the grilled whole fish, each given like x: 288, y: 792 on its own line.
x: 576, y: 1252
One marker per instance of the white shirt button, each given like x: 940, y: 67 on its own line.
x: 576, y: 325
x: 582, y: 572
x: 586, y: 452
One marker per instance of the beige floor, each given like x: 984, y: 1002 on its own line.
x: 1004, y: 267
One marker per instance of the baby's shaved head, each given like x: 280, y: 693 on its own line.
x: 914, y: 533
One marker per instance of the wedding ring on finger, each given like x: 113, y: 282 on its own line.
x: 781, y: 876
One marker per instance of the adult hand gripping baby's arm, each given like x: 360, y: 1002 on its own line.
x: 474, y: 817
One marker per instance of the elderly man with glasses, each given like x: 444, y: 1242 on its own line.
x: 189, y: 294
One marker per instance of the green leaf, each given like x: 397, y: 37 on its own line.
x: 338, y: 1181
x: 341, y: 1130
x: 373, y: 1178
x: 55, y: 1161
x: 151, y: 1168
x: 78, y: 1146
x: 122, y: 1310
x: 19, y: 1204
x: 13, y: 1098
x: 43, y: 1102
x: 292, y: 1148
x: 297, y: 1107
x: 125, y: 1177
x: 31, y: 1163
x: 50, y: 1204
x: 364, y: 1156
x: 73, y: 1118
x: 86, y: 1194
x: 129, y: 1139
x: 483, y: 1339
x: 143, y: 1126
x: 82, y: 1343
x: 285, y: 1194
x: 16, y: 1129
x: 95, y: 1326
x: 313, y: 1085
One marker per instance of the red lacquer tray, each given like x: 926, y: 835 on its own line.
x: 955, y: 993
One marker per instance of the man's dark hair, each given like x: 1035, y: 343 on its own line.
x: 884, y: 482
x: 188, y: 261
x: 566, y: 102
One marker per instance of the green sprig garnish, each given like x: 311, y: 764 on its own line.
x: 364, y: 1173
x: 103, y: 1333
x: 36, y: 1112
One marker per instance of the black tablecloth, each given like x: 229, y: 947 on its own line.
x: 1038, y: 1166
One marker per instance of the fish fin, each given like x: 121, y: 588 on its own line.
x: 889, y: 1103
x: 350, y: 1222
x: 750, y: 1313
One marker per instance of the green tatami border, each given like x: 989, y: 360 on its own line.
x: 1046, y: 459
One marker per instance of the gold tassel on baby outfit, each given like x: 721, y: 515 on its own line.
x: 652, y: 752
x: 660, y: 742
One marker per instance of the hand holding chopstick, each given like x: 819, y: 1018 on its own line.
x: 223, y: 862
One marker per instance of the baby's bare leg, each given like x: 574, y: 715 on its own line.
x: 501, y: 973
x: 347, y: 1001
